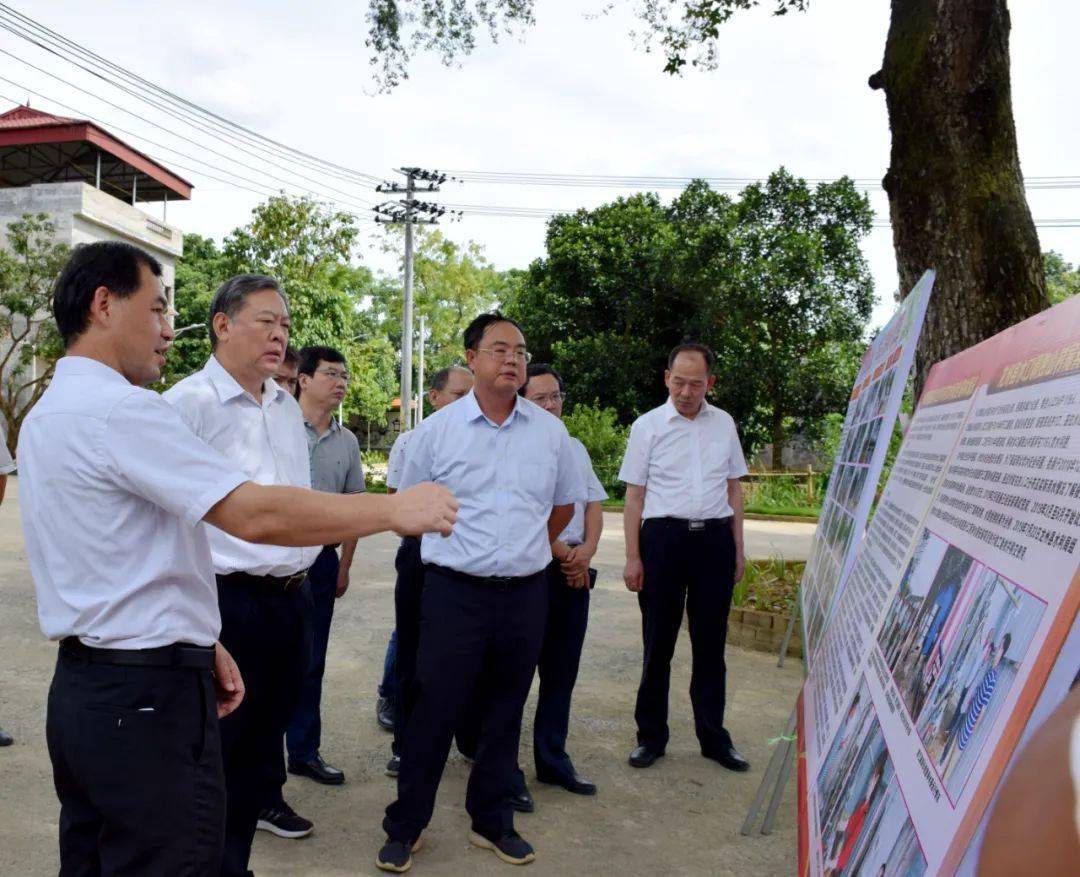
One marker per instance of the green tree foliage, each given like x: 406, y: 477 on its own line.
x: 604, y: 438
x: 685, y: 30
x: 30, y: 344
x: 773, y: 281
x: 452, y: 283
x: 1062, y: 279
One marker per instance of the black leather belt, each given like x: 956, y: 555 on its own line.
x: 183, y: 655
x: 268, y: 583
x: 494, y: 581
x: 694, y: 525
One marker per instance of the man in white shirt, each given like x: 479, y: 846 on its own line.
x: 234, y: 405
x: 395, y: 693
x: 114, y: 493
x: 683, y: 524
x: 484, y: 599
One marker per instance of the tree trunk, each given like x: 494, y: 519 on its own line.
x: 956, y: 194
x: 777, y: 440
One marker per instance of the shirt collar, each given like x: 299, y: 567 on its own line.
x: 334, y: 426
x: 228, y: 388
x: 84, y: 365
x: 671, y: 412
x: 470, y: 409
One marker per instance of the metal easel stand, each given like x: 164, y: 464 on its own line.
x: 787, y: 634
x: 776, y: 777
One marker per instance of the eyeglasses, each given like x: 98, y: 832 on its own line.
x: 334, y: 374
x: 506, y: 354
x: 551, y: 399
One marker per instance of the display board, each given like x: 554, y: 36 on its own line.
x: 864, y: 441
x: 957, y: 606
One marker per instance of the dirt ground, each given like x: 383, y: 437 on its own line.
x: 682, y: 816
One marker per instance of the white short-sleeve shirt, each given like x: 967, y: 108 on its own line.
x: 574, y: 534
x: 266, y: 440
x: 506, y: 477
x: 684, y: 465
x: 113, y: 487
x: 395, y: 464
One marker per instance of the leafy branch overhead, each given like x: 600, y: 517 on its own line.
x: 685, y: 30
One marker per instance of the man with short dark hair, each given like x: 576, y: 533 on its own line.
x: 485, y: 594
x: 285, y: 376
x: 447, y: 385
x: 569, y: 580
x: 683, y: 523
x: 335, y: 468
x: 116, y: 490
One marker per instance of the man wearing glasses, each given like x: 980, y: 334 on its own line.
x: 234, y: 405
x: 334, y: 454
x: 484, y: 602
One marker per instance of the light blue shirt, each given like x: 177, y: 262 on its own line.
x: 574, y: 534
x: 506, y: 478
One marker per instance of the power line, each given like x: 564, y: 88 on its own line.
x: 172, y: 133
x: 642, y: 181
x: 213, y: 168
x: 56, y: 44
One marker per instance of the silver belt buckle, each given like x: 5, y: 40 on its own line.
x: 697, y: 525
x: 294, y: 579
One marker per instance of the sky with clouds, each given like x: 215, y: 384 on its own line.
x: 576, y: 94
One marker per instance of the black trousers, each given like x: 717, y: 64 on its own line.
x: 407, y: 591
x: 136, y: 757
x: 560, y: 655
x: 268, y: 632
x: 304, y: 737
x: 694, y: 568
x: 470, y: 630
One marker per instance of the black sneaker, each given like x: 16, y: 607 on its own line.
x: 393, y: 766
x: 384, y: 713
x: 284, y: 822
x: 511, y: 847
x: 396, y: 855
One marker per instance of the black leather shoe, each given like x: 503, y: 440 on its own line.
x: 573, y: 783
x: 384, y: 713
x: 523, y: 801
x: 5, y: 738
x: 729, y: 757
x: 644, y: 756
x: 318, y: 770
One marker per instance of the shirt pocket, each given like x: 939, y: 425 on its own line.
x: 536, y: 479
x: 716, y: 458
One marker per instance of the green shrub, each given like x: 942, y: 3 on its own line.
x: 605, y: 440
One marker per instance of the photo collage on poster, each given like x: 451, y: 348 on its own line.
x: 868, y: 428
x: 962, y: 605
x: 837, y: 525
x: 865, y: 826
x: 953, y: 640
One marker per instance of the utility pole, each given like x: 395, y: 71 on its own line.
x: 420, y: 377
x: 409, y: 212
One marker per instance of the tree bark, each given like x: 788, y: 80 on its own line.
x: 956, y: 193
x: 777, y: 439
